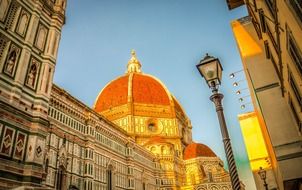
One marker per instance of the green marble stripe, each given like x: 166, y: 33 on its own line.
x: 23, y: 114
x: 19, y: 178
x: 23, y: 91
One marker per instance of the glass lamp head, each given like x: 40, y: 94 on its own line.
x: 211, y: 70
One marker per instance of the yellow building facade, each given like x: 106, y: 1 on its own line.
x: 269, y: 42
x: 254, y: 135
x: 254, y: 141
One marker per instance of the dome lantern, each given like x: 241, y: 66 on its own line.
x: 133, y: 66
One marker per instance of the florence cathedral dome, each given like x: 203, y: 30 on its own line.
x: 142, y: 105
x: 142, y: 94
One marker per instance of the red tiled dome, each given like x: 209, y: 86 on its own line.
x: 137, y: 94
x: 144, y: 89
x: 114, y: 94
x: 195, y: 150
x: 147, y: 90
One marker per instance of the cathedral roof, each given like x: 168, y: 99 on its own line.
x: 195, y: 150
x: 145, y: 89
x: 114, y: 94
x: 136, y: 88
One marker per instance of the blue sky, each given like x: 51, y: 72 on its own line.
x: 170, y: 37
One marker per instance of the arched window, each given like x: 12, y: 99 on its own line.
x: 109, y: 178
x: 153, y: 149
x: 63, y: 4
x: 193, y: 180
x: 210, y: 177
x: 4, y: 6
x: 41, y: 37
x: 46, y: 166
x: 61, y: 178
x: 202, y: 170
x: 163, y: 150
x: 23, y: 24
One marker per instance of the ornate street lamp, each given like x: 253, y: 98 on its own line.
x: 262, y: 174
x: 211, y: 70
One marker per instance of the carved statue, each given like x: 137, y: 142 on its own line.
x: 31, y: 77
x: 11, y: 62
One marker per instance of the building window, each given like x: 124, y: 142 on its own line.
x: 3, y: 43
x: 131, y: 183
x: 294, y: 112
x: 109, y: 178
x: 271, y: 6
x: 295, y: 89
x: 4, y: 4
x: 61, y: 178
x: 46, y: 166
x: 11, y: 13
x: 293, y: 50
x: 269, y: 55
x: 23, y: 23
x: 210, y: 177
x: 193, y: 180
x: 267, y: 50
x: 262, y: 20
x: 272, y: 38
x: 41, y: 37
x: 254, y: 21
x: 297, y: 8
x: 255, y: 5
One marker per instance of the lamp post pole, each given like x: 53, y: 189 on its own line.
x: 216, y: 98
x: 265, y: 185
x: 262, y: 174
x: 211, y: 70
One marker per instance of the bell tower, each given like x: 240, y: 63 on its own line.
x: 30, y: 32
